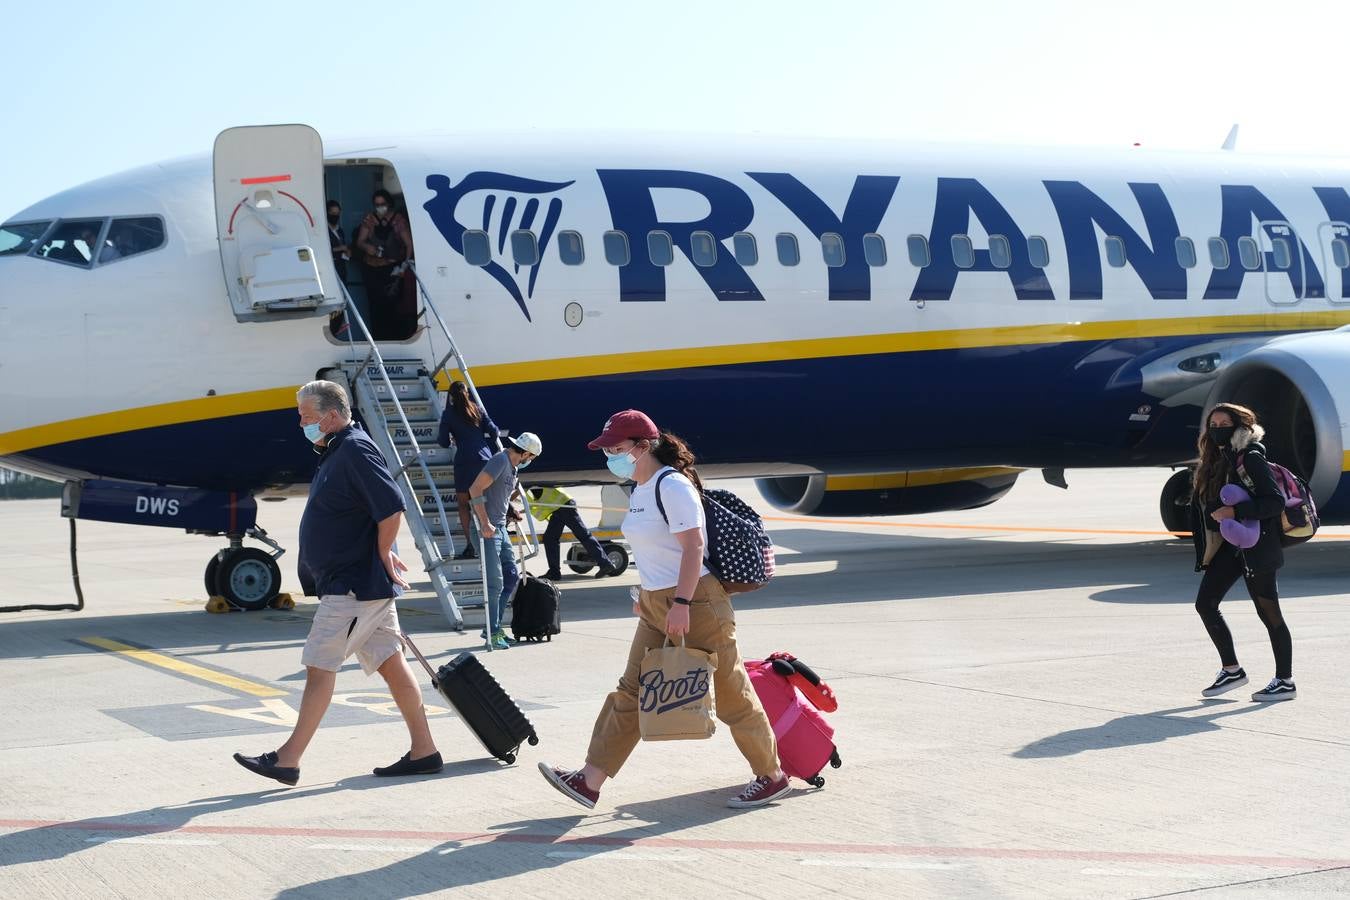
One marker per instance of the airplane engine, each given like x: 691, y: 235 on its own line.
x: 888, y: 493
x: 1299, y: 387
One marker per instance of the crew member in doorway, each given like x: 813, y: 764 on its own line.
x: 556, y: 506
x: 337, y: 242
x: 348, y: 558
x: 385, y: 242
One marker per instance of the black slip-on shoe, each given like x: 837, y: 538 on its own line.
x: 427, y: 765
x: 266, y: 766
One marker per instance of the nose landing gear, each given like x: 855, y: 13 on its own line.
x: 246, y: 577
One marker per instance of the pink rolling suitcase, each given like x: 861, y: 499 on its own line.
x: 793, y: 697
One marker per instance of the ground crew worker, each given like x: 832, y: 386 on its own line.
x: 556, y: 507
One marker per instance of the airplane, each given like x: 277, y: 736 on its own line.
x: 866, y: 328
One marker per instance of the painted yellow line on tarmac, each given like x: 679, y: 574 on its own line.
x: 181, y: 667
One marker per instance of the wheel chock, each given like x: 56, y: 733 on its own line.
x: 282, y: 601
x: 217, y: 605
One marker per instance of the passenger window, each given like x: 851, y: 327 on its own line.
x: 744, y: 248
x: 963, y: 252
x: 1000, y: 251
x: 704, y: 248
x: 616, y: 248
x: 874, y: 250
x: 1249, y: 253
x: 72, y: 242
x: 660, y: 249
x: 477, y: 248
x: 1186, y: 252
x: 17, y: 238
x: 832, y: 249
x: 918, y: 251
x: 1115, y: 252
x: 1038, y: 250
x: 1280, y: 250
x: 571, y: 250
x: 788, y: 252
x: 1340, y: 253
x: 132, y: 235
x: 524, y: 247
x: 1218, y: 253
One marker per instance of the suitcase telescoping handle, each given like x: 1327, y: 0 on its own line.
x: 420, y: 658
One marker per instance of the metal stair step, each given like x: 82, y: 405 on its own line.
x: 432, y: 455
x: 404, y: 389
x: 415, y: 410
x: 426, y: 500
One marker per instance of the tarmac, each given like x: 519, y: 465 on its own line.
x: 1019, y: 717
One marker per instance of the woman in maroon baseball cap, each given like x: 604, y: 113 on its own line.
x: 668, y: 533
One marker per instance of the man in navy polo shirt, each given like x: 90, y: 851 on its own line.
x: 348, y: 559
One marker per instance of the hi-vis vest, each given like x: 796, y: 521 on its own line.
x: 550, y: 500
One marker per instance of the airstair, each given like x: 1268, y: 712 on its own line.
x: 401, y: 407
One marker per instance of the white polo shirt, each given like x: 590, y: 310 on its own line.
x: 653, y: 541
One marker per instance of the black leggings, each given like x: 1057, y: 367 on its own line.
x: 1221, y: 575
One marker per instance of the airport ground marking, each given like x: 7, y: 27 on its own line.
x: 183, y: 667
x: 603, y: 842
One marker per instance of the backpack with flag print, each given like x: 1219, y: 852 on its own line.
x: 739, y: 552
x: 1300, y: 520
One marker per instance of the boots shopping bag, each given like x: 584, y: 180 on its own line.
x: 675, y: 694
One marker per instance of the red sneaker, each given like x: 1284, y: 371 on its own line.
x: 760, y: 791
x: 573, y: 784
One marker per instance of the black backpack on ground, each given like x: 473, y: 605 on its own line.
x: 536, y: 610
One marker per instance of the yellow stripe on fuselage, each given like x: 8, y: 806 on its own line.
x: 203, y: 408
x: 195, y: 410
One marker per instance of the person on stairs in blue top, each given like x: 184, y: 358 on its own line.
x: 475, y: 437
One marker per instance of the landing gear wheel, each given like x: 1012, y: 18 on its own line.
x: 248, y: 578
x: 580, y: 568
x: 618, y: 557
x: 1175, y: 502
x: 212, y: 570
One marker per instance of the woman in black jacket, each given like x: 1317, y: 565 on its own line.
x: 1231, y: 453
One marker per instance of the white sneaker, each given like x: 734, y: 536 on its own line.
x: 1278, y: 689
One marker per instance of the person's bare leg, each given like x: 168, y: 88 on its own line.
x: 594, y: 777
x: 462, y: 501
x: 318, y: 694
x: 408, y: 695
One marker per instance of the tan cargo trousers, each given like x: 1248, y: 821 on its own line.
x: 712, y: 628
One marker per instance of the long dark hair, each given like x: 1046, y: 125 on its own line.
x: 671, y: 451
x: 1214, y: 469
x: 463, y: 403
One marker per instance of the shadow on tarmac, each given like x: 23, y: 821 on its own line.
x: 547, y: 844
x: 1137, y: 729
x: 868, y: 568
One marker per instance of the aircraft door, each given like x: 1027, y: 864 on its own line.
x: 1281, y: 254
x: 270, y: 221
x: 1334, y: 238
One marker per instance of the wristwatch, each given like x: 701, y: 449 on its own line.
x: 682, y: 601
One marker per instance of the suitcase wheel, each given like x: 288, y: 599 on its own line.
x: 817, y: 782
x: 835, y: 762
x: 509, y: 758
x: 533, y: 739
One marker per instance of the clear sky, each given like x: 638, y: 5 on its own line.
x: 96, y: 87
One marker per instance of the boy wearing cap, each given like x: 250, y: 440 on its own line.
x: 490, y: 499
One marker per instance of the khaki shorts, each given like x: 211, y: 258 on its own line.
x: 344, y: 625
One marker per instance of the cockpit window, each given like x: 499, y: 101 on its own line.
x: 72, y: 242
x: 128, y: 237
x: 17, y: 238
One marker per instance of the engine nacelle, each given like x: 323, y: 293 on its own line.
x: 1299, y: 388
x: 888, y: 493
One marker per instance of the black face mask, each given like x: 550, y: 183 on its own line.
x: 333, y: 218
x: 1222, y: 435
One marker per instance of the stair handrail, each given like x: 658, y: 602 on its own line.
x: 363, y: 372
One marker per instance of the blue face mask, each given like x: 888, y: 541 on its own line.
x: 524, y: 464
x: 313, y: 432
x: 623, y: 465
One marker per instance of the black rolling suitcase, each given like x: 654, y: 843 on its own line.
x: 535, y: 609
x: 488, y: 710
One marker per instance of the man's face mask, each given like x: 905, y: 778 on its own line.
x: 333, y: 218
